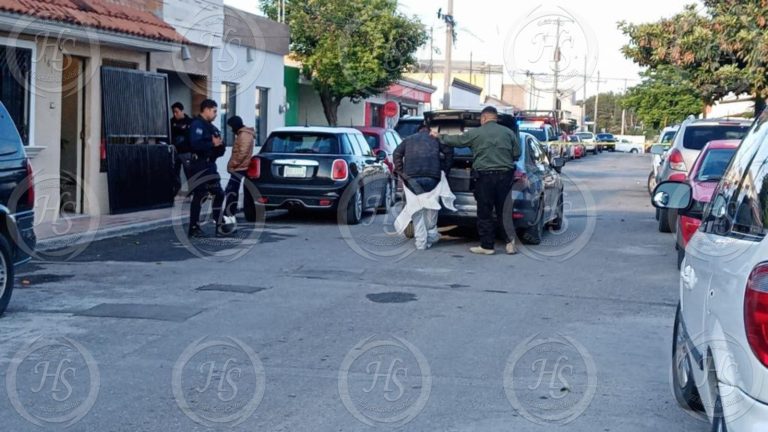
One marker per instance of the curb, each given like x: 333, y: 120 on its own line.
x: 102, y: 234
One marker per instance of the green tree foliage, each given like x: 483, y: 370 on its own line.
x: 666, y: 96
x: 721, y: 48
x: 350, y: 48
x: 609, y: 108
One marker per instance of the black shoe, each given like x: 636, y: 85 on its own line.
x: 196, y: 232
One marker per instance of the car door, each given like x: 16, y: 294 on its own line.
x: 549, y: 180
x: 373, y: 173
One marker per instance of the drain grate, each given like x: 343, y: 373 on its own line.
x: 141, y: 311
x: 392, y: 297
x: 242, y: 289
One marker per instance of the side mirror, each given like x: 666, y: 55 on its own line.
x: 381, y: 155
x: 672, y: 196
x: 558, y: 163
x: 658, y: 149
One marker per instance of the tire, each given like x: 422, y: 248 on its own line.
x: 634, y: 151
x: 683, y: 385
x: 658, y: 214
x: 651, y: 183
x: 388, y: 199
x: 249, y: 206
x: 664, y: 219
x: 557, y: 223
x: 6, y: 274
x: 354, y: 210
x: 533, y: 234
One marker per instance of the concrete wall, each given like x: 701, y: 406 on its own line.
x: 311, y: 109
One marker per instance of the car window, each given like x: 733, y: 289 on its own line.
x: 10, y: 141
x: 540, y: 134
x: 533, y: 152
x: 714, y: 164
x: 346, y: 146
x: 696, y: 137
x: 363, y: 145
x: 302, y: 143
x: 396, y: 138
x: 737, y: 202
x: 585, y: 135
x: 372, y: 140
x: 407, y: 128
x: 668, y: 137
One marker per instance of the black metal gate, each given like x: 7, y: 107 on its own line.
x: 136, y: 128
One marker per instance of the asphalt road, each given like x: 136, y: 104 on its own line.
x: 300, y: 325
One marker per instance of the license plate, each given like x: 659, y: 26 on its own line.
x: 295, y: 172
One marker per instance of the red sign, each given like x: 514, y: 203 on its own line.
x: 391, y: 109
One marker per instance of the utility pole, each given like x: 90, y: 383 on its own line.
x: 448, y: 55
x: 597, y: 100
x: 584, y: 100
x: 624, y: 111
x: 557, y: 65
x: 431, y: 53
x: 471, y: 81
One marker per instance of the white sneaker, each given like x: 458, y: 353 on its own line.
x: 511, y: 248
x: 481, y: 251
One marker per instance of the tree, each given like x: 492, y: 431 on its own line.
x: 350, y: 48
x: 608, y: 111
x: 720, y: 49
x: 666, y: 96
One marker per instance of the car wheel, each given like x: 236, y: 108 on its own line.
x: 533, y: 234
x: 387, y: 199
x: 6, y: 274
x: 557, y: 223
x: 249, y: 205
x: 683, y: 385
x: 664, y: 218
x: 634, y: 151
x: 354, y: 211
x: 651, y: 183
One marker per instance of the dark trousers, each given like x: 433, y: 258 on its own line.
x: 213, y: 187
x: 182, y: 163
x: 232, y: 192
x: 492, y: 192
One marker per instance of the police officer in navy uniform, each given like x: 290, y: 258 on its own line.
x: 207, y: 146
x: 180, y: 124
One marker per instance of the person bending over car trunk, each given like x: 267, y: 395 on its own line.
x: 495, y: 149
x: 420, y: 161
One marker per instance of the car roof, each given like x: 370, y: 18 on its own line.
x: 319, y: 129
x: 720, y: 121
x: 723, y: 144
x: 373, y: 129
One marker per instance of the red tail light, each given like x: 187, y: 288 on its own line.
x: 676, y: 161
x: 756, y: 312
x: 254, y: 168
x: 521, y: 178
x: 103, y: 149
x: 678, y: 177
x: 688, y: 227
x: 30, y: 186
x: 340, y: 170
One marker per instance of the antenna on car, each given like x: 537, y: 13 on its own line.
x: 306, y: 119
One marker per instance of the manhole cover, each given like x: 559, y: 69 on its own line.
x: 141, y: 311
x: 392, y: 297
x: 242, y: 289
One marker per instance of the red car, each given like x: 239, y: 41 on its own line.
x: 703, y: 178
x: 379, y: 138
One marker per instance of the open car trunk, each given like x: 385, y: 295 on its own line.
x: 454, y: 123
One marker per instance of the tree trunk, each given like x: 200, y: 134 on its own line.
x: 330, y: 107
x: 759, y: 105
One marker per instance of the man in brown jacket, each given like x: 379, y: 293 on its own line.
x: 242, y: 152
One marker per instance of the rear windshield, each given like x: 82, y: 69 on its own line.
x: 408, y: 128
x: 668, y: 137
x: 696, y: 137
x: 714, y: 164
x: 585, y: 135
x: 10, y: 141
x: 573, y: 139
x: 302, y: 143
x: 606, y: 137
x: 372, y: 140
x: 540, y: 134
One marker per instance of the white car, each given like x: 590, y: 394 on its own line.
x: 627, y: 146
x: 720, y: 341
x: 588, y: 138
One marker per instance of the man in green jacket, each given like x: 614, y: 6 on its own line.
x: 495, y: 149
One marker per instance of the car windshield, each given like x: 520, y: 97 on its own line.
x: 605, y: 137
x: 540, y: 134
x: 408, y: 127
x: 302, y: 143
x: 584, y: 135
x: 714, y: 164
x: 372, y: 140
x: 573, y: 139
x: 696, y: 137
x: 668, y: 137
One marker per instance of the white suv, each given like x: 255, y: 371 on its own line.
x: 720, y: 342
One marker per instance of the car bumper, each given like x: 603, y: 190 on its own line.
x: 524, y: 214
x: 742, y: 412
x: 310, y: 197
x: 25, y: 239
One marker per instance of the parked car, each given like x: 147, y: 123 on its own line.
x: 692, y: 136
x: 382, y: 139
x: 606, y: 141
x: 658, y: 152
x: 312, y: 168
x: 578, y: 148
x: 589, y: 141
x: 538, y: 189
x: 546, y: 135
x: 703, y: 178
x: 720, y: 338
x: 17, y: 201
x: 408, y: 126
x: 627, y: 146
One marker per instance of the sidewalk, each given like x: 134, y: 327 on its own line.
x: 75, y: 229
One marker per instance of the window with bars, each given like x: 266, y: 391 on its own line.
x: 16, y: 85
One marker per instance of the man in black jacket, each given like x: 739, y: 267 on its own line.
x: 207, y: 146
x: 420, y: 160
x: 180, y: 124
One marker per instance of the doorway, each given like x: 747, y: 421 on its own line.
x: 72, y: 157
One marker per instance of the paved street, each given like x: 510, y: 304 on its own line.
x: 574, y: 333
